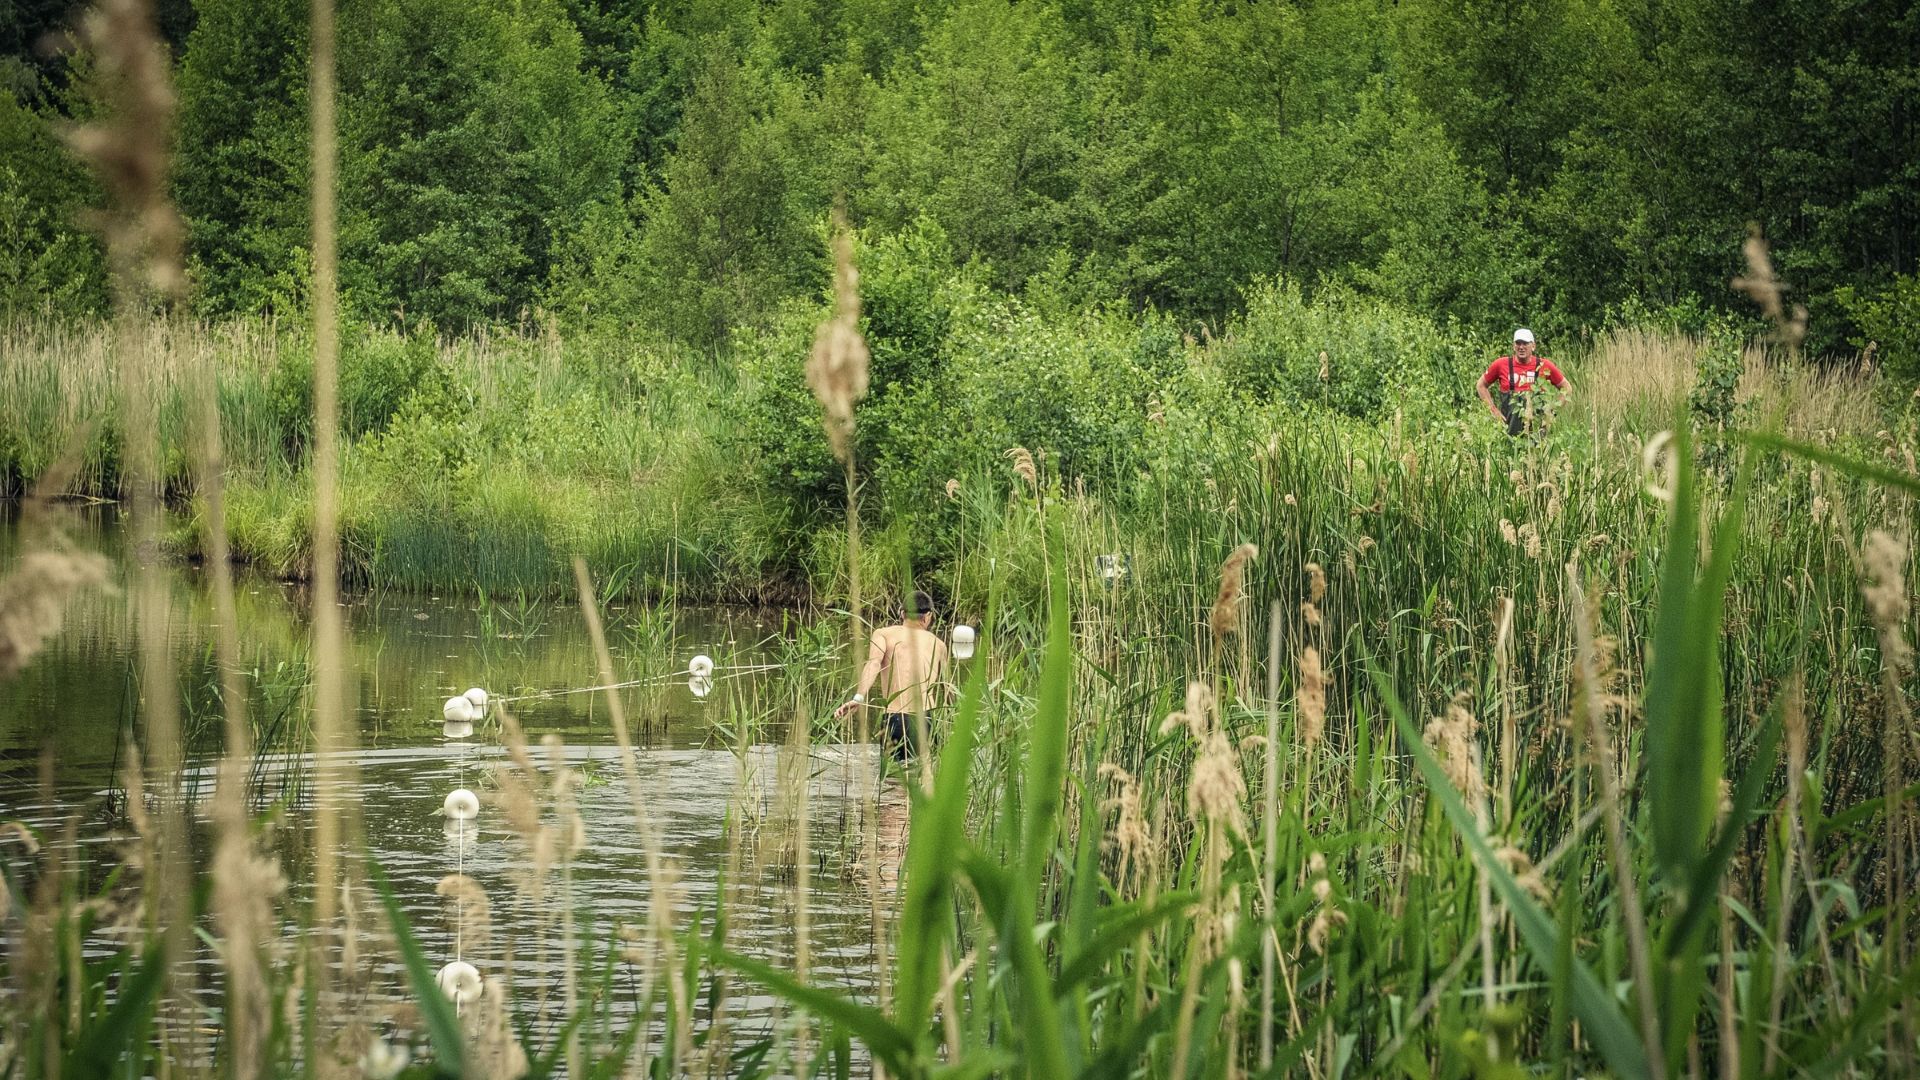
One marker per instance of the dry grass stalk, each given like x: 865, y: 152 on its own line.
x: 1883, y: 560
x: 1130, y: 840
x: 1024, y: 467
x: 1226, y: 605
x: 1216, y: 793
x: 1311, y: 698
x: 1764, y: 289
x: 837, y: 370
x: 127, y: 148
x: 1451, y: 738
x: 1590, y: 718
x: 1270, y: 822
x: 662, y: 879
x: 34, y: 599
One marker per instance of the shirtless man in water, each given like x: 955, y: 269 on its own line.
x: 909, y: 662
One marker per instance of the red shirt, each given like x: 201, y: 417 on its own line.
x: 1515, y: 376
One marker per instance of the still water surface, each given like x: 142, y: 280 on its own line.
x: 65, y: 720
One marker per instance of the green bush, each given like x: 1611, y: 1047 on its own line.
x: 1377, y: 357
x: 1889, y: 318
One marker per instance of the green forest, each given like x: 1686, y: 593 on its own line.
x: 668, y: 169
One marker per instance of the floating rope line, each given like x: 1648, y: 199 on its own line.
x: 733, y: 671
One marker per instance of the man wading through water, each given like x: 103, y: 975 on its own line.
x: 1515, y: 375
x: 912, y: 660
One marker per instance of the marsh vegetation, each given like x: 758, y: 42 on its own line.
x: 1316, y: 727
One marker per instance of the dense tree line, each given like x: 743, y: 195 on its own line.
x: 672, y: 167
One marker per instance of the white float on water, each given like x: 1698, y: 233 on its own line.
x: 478, y: 696
x: 701, y: 685
x: 963, y: 639
x: 458, y: 710
x: 461, y: 804
x: 700, y: 667
x: 461, y: 982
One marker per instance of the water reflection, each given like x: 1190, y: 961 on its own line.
x: 706, y: 772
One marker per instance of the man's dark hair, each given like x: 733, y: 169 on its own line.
x: 917, y: 606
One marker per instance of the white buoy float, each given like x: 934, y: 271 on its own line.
x: 458, y: 710
x: 963, y: 639
x: 700, y: 667
x: 478, y: 696
x: 461, y: 982
x: 461, y: 805
x: 700, y: 685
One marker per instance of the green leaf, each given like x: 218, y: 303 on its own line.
x: 1678, y: 788
x: 1865, y: 470
x: 449, y: 1046
x: 887, y: 1042
x: 111, y: 1041
x: 1596, y: 1008
x: 1119, y: 926
x: 933, y: 852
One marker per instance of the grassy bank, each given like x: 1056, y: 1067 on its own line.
x: 1395, y: 748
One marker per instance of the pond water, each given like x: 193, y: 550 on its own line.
x: 705, y: 765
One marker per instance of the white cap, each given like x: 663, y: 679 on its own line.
x: 1523, y: 334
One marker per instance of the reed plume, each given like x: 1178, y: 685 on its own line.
x: 34, y: 599
x: 1226, y: 605
x: 837, y: 370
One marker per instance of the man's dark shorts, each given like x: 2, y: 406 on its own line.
x: 901, y: 736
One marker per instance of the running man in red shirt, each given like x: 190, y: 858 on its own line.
x: 1515, y: 375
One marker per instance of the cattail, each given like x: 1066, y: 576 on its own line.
x: 953, y: 490
x: 1509, y: 533
x: 1226, y: 606
x: 34, y: 598
x: 1217, y: 791
x: 1312, y: 697
x: 837, y: 369
x: 1290, y: 500
x: 1316, y: 583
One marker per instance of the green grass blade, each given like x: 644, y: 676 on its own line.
x: 887, y: 1043
x: 933, y: 851
x: 111, y: 1041
x: 1865, y: 470
x: 1678, y: 794
x: 1119, y: 927
x: 1606, y: 1026
x: 1045, y: 765
x: 443, y: 1028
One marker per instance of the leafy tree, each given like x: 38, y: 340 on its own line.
x: 470, y: 139
x: 243, y: 153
